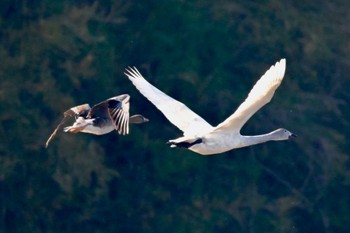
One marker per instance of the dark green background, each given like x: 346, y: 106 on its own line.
x: 208, y: 54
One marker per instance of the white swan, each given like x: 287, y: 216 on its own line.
x: 102, y: 118
x: 199, y: 136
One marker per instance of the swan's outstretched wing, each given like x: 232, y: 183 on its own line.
x: 260, y: 95
x: 72, y: 112
x: 176, y: 112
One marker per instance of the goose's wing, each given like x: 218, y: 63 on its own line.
x: 118, y: 108
x: 79, y: 110
x: 176, y: 112
x: 115, y: 111
x: 260, y: 95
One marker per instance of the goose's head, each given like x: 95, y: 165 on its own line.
x: 283, y: 134
x: 138, y: 119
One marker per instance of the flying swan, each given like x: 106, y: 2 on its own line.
x: 198, y: 135
x: 102, y: 118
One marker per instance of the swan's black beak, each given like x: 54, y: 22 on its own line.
x: 293, y: 136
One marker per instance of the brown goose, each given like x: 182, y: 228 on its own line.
x: 102, y: 118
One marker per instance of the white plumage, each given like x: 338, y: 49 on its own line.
x: 198, y: 135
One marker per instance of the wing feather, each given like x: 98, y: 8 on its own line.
x: 261, y: 94
x: 176, y: 112
x: 119, y: 114
x: 72, y: 112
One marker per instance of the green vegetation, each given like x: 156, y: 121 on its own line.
x: 208, y: 54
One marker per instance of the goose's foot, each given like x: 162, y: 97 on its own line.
x: 74, y: 129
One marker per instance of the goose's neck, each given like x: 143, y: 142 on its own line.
x: 257, y: 139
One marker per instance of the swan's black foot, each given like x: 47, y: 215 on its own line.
x: 184, y: 144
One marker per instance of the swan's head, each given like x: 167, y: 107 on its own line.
x: 283, y: 134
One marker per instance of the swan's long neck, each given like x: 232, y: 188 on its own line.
x: 257, y: 139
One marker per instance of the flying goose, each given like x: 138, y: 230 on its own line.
x: 102, y: 118
x: 198, y: 135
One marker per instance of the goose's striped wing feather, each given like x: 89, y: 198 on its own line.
x: 119, y: 114
x: 112, y: 111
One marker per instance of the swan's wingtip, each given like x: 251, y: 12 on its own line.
x: 283, y: 62
x: 132, y: 72
x: 281, y: 66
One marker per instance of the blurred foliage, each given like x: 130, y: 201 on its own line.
x: 208, y: 54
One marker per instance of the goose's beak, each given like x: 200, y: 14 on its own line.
x: 293, y: 136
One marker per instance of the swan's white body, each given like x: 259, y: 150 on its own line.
x: 199, y: 136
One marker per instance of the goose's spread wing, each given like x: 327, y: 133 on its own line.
x: 119, y: 113
x: 72, y: 112
x: 176, y: 112
x: 260, y: 95
x: 114, y: 111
